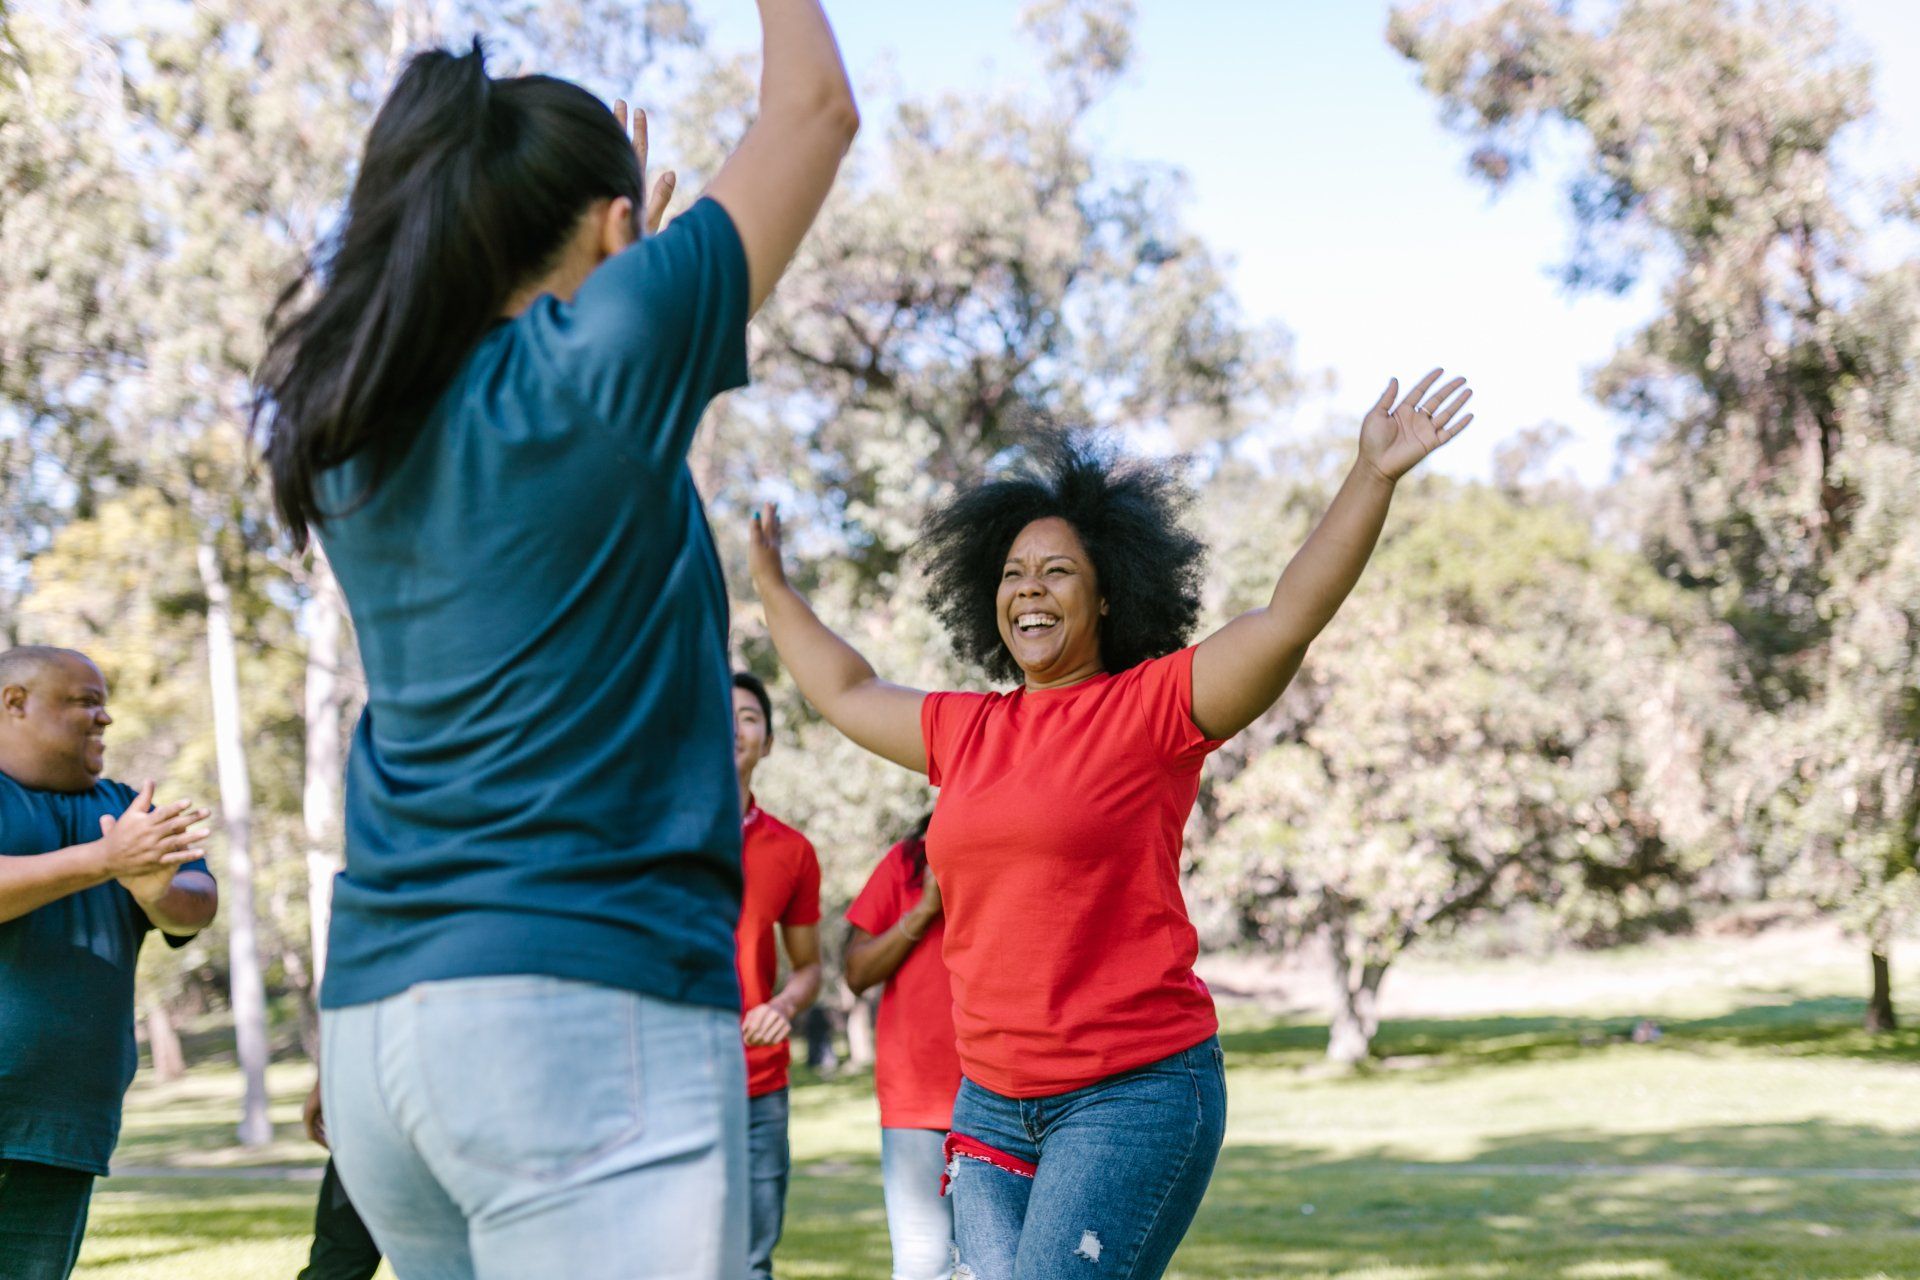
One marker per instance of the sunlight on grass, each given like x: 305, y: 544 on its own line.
x: 1757, y: 1141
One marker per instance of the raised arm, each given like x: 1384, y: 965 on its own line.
x: 884, y: 718
x: 774, y: 184
x: 1243, y: 668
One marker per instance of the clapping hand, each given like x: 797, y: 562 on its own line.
x: 1394, y: 438
x: 144, y: 846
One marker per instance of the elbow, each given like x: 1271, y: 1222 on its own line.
x: 841, y: 114
x: 858, y: 981
x: 833, y: 109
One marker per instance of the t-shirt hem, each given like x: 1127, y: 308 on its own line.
x: 30, y: 1155
x: 605, y: 955
x: 940, y: 1121
x: 1054, y: 1088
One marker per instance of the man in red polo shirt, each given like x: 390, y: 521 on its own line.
x: 782, y: 888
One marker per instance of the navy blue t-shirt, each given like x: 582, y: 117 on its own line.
x: 66, y: 989
x: 543, y: 780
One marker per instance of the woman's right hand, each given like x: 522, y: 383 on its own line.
x: 930, y: 907
x: 763, y: 550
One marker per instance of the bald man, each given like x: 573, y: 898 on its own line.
x: 87, y: 867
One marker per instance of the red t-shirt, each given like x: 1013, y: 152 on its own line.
x: 1057, y: 839
x: 916, y: 1070
x: 782, y: 887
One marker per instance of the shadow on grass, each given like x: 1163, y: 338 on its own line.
x: 138, y: 1220
x: 1797, y: 1027
x: 1511, y: 1213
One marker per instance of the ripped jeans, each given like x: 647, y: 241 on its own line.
x: 1097, y: 1184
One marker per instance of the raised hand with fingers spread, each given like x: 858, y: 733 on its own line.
x: 1394, y: 438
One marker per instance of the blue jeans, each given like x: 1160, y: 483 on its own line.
x: 768, y: 1163
x: 919, y: 1218
x: 525, y: 1128
x: 1113, y: 1173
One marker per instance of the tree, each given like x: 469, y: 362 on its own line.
x: 1509, y: 715
x: 1709, y: 131
x: 61, y: 336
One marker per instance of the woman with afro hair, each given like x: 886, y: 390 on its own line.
x: 1093, y: 1103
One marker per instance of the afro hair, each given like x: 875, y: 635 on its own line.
x: 1128, y: 513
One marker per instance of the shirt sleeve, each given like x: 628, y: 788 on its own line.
x: 655, y: 332
x: 878, y: 905
x: 945, y: 719
x: 1166, y: 702
x: 803, y: 907
x: 174, y: 940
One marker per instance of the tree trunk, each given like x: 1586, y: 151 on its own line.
x: 1356, y: 1002
x: 169, y: 1059
x: 1880, y: 1016
x: 320, y: 801
x: 249, y: 991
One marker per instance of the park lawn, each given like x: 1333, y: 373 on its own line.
x: 1761, y: 1136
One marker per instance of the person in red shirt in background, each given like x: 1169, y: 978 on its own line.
x: 1093, y: 1100
x: 898, y: 929
x: 782, y: 887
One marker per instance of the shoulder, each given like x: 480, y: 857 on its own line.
x: 115, y: 793
x: 773, y: 831
x: 956, y: 705
x: 1156, y: 678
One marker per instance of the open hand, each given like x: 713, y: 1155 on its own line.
x: 765, y: 1024
x: 662, y: 192
x: 1394, y: 438
x: 763, y: 550
x: 144, y: 845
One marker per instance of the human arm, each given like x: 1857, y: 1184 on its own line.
x: 1243, y: 668
x: 772, y: 1022
x: 872, y: 959
x: 882, y: 717
x: 143, y: 842
x: 181, y: 904
x: 773, y: 185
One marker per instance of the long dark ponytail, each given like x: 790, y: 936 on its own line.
x: 470, y: 188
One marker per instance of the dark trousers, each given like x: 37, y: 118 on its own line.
x: 43, y: 1216
x: 343, y: 1248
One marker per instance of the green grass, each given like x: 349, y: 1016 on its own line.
x: 1492, y: 1147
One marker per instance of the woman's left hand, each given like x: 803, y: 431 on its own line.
x: 1394, y: 438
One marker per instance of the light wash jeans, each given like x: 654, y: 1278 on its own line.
x: 531, y: 1128
x: 919, y: 1218
x: 1097, y: 1184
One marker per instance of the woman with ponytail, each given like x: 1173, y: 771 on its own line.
x: 481, y: 403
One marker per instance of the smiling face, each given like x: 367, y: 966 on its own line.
x: 1049, y: 605
x: 56, y: 723
x: 751, y: 742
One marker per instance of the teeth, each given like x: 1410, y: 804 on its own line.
x: 1034, y: 620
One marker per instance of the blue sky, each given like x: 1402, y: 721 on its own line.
x: 1315, y: 161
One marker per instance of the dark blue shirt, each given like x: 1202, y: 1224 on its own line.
x: 66, y: 989
x: 543, y: 779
